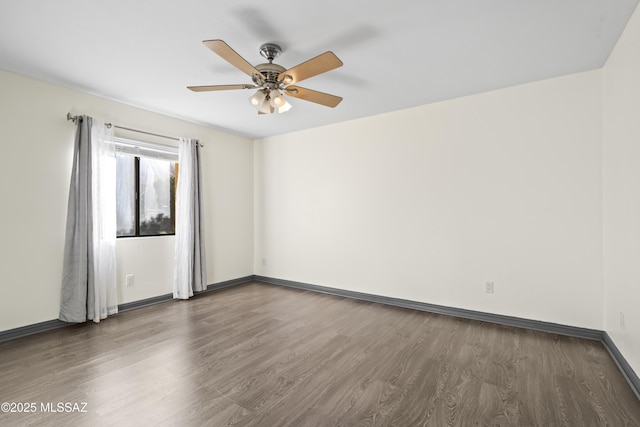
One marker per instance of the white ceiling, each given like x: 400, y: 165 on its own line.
x: 396, y: 54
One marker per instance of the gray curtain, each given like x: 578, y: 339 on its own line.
x: 191, y: 272
x: 78, y: 245
x: 88, y: 272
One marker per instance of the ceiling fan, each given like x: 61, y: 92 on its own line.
x: 272, y: 80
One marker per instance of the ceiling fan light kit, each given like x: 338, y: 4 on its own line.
x: 272, y: 81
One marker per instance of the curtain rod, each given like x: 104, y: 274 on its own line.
x: 109, y: 125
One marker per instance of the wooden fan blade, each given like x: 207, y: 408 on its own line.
x: 219, y: 87
x: 313, y: 96
x: 232, y: 57
x: 318, y: 65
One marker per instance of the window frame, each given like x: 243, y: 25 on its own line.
x: 168, y: 154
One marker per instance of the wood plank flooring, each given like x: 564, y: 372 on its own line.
x: 263, y: 355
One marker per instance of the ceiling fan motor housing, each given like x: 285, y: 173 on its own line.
x: 270, y: 71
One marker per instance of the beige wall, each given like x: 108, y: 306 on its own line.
x: 621, y: 142
x: 429, y: 203
x: 37, y: 142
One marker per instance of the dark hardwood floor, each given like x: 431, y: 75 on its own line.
x: 262, y: 355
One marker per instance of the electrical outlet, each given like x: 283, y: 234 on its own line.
x: 488, y: 287
x: 622, y: 321
x: 129, y: 279
x: 264, y: 261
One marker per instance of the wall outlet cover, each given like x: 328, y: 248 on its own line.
x: 488, y: 287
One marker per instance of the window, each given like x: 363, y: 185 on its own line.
x: 145, y: 189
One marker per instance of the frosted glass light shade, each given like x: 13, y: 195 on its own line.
x: 265, y: 107
x: 276, y: 98
x: 257, y: 98
x: 285, y: 107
